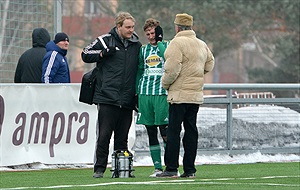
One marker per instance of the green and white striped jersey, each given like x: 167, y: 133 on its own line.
x: 151, y: 68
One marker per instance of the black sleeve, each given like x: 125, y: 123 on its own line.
x: 91, y: 53
x: 18, y: 73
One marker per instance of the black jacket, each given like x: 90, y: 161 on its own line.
x: 29, y: 67
x: 117, y: 73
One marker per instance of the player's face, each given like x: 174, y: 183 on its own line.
x: 150, y: 35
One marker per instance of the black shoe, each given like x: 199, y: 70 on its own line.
x: 167, y: 174
x: 188, y: 175
x: 98, y: 175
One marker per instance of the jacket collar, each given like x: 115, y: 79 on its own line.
x: 186, y: 33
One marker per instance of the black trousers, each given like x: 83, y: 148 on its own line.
x: 111, y: 119
x: 178, y: 114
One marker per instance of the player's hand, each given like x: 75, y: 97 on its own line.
x: 158, y: 34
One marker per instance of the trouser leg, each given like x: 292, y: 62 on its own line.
x: 176, y: 113
x: 190, y: 138
x: 104, y: 132
x: 111, y: 119
x: 122, y: 129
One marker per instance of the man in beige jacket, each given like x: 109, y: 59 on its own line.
x: 187, y: 60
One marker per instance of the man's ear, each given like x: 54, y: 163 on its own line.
x: 119, y: 26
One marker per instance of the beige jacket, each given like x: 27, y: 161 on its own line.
x: 187, y: 60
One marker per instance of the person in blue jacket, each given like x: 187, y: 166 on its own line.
x: 55, y: 65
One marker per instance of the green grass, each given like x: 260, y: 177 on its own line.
x: 266, y: 176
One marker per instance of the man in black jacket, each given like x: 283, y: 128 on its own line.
x: 116, y: 55
x: 29, y: 67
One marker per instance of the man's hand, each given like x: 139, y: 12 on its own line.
x: 158, y: 34
x: 108, y: 51
x: 111, y: 49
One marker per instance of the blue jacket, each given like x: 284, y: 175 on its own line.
x: 55, y: 65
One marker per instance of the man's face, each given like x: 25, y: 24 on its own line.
x: 63, y: 45
x: 150, y: 35
x: 127, y: 29
x: 176, y: 29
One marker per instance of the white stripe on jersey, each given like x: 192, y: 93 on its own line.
x: 49, y: 67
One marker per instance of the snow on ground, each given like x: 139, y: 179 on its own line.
x: 200, y: 160
x: 235, y: 159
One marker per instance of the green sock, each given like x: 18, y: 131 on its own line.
x: 155, y: 155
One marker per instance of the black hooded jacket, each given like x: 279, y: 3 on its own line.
x: 29, y: 67
x: 117, y: 73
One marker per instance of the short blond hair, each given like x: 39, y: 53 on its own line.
x: 123, y: 16
x: 151, y: 23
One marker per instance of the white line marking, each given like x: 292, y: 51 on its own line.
x: 174, y: 182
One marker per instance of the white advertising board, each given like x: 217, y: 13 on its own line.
x: 47, y: 124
